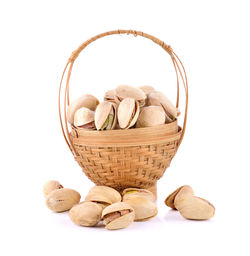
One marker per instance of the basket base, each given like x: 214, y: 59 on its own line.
x: 153, y: 189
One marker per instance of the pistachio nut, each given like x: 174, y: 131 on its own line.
x: 131, y: 192
x: 189, y: 205
x: 151, y: 116
x: 103, y: 194
x: 105, y: 116
x: 144, y: 208
x: 181, y: 195
x: 86, y: 214
x: 110, y: 96
x: 169, y: 201
x: 87, y: 101
x: 159, y: 99
x: 196, y: 208
x: 193, y: 207
x: 63, y: 199
x: 118, y: 215
x: 147, y: 89
x: 126, y: 91
x: 84, y: 118
x: 128, y: 112
x: 51, y: 185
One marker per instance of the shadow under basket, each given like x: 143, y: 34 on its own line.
x: 136, y: 157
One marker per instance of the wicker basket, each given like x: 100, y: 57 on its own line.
x: 124, y: 158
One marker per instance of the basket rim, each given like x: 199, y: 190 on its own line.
x: 126, y: 140
x: 167, y: 128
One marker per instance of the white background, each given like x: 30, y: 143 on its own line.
x: 212, y: 40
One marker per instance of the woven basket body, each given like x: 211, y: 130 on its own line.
x: 124, y: 158
x: 130, y: 158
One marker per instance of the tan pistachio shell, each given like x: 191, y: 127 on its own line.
x: 193, y: 207
x: 63, y: 199
x: 131, y: 192
x: 147, y: 89
x: 86, y: 214
x: 196, y: 208
x: 102, y: 112
x: 87, y: 101
x: 110, y: 96
x: 144, y: 208
x: 122, y: 221
x: 126, y: 91
x: 97, y: 197
x: 103, y: 194
x: 83, y: 116
x: 50, y: 186
x: 183, y: 193
x: 151, y: 116
x: 169, y: 201
x: 128, y: 112
x: 159, y: 99
x: 103, y: 205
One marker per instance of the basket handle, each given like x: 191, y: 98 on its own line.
x: 178, y: 66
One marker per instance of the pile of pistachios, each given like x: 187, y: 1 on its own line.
x: 101, y: 205
x: 122, y: 108
x: 105, y: 206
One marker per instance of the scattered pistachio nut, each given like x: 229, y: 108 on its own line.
x: 159, y: 99
x: 169, y: 201
x: 103, y: 194
x: 126, y: 91
x: 118, y: 215
x: 105, y: 116
x: 86, y: 214
x: 151, y: 116
x: 191, y: 206
x: 51, y: 185
x: 144, y: 208
x: 63, y: 199
x: 128, y: 112
x: 87, y: 101
x: 131, y: 192
x: 84, y: 118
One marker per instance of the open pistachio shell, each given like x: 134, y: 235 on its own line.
x: 110, y: 96
x: 131, y: 192
x: 159, y: 99
x: 126, y: 91
x: 87, y: 101
x: 118, y: 215
x: 86, y: 214
x: 128, y: 112
x: 151, y: 116
x: 105, y: 116
x: 103, y: 194
x: 144, y: 208
x: 147, y: 89
x: 84, y: 118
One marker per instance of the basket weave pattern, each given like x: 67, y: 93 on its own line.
x: 122, y: 167
x: 124, y: 158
